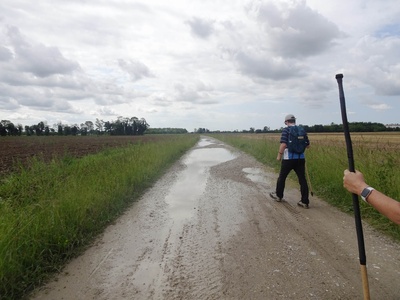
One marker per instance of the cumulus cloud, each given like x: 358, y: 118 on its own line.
x: 197, y: 92
x: 268, y: 67
x: 38, y: 59
x: 380, y: 66
x: 200, y: 27
x: 380, y: 107
x: 136, y: 69
x: 292, y: 29
x: 5, y: 54
x: 104, y: 111
x: 8, y: 103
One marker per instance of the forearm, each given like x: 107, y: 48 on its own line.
x: 385, y: 205
x: 282, y: 148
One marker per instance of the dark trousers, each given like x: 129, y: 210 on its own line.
x: 299, y: 166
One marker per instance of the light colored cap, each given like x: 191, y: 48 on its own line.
x: 290, y: 117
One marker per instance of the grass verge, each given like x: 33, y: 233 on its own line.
x: 50, y: 211
x: 326, y: 159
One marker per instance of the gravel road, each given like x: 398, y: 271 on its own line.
x: 208, y: 230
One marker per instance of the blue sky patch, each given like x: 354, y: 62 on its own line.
x: 389, y: 30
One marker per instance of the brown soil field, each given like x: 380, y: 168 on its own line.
x: 19, y: 150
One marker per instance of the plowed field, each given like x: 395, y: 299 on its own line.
x: 15, y: 150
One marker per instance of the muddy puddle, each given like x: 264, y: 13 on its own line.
x: 192, y: 180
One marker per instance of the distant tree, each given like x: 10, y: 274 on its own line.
x: 39, y: 128
x: 67, y: 130
x: 84, y: 129
x: 142, y: 126
x: 99, y: 125
x: 7, y: 128
x: 60, y: 129
x: 89, y: 126
x: 74, y: 129
x: 28, y: 130
x: 202, y: 130
x: 167, y: 130
x: 107, y: 127
x: 135, y: 123
x: 3, y: 127
x: 19, y: 129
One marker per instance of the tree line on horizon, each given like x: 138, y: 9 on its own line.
x: 121, y: 126
x: 136, y: 126
x: 319, y: 128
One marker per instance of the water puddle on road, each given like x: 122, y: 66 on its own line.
x: 255, y: 174
x: 204, y: 142
x: 191, y: 182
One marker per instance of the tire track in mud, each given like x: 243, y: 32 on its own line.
x: 196, y: 268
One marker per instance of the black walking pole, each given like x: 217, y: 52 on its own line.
x: 356, y: 205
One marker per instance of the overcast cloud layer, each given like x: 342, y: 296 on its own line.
x: 216, y: 64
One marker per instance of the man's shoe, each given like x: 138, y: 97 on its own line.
x: 274, y: 196
x: 302, y: 204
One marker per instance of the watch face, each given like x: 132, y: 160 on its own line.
x: 365, y: 192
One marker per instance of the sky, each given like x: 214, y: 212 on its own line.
x: 215, y: 64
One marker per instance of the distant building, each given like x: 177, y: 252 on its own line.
x: 392, y: 125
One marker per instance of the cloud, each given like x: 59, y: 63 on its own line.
x: 380, y: 66
x: 136, y: 69
x: 38, y: 59
x: 292, y: 29
x: 8, y: 103
x: 200, y: 27
x: 267, y: 67
x: 104, y: 111
x: 197, y: 92
x: 380, y: 107
x: 5, y: 54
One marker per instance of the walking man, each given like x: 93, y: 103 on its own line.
x: 293, y: 142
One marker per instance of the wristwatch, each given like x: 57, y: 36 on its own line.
x: 366, y: 192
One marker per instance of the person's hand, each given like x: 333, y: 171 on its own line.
x: 354, y: 181
x: 279, y: 156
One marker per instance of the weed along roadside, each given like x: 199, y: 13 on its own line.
x: 51, y: 210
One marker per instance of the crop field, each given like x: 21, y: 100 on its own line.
x: 376, y: 155
x: 15, y: 150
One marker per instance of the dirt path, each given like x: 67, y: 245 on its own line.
x: 208, y: 230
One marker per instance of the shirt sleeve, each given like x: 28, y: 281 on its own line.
x: 285, y: 136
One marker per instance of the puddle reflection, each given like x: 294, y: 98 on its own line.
x: 255, y: 174
x: 204, y: 142
x: 192, y: 181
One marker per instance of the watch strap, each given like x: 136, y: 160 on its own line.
x: 366, y: 192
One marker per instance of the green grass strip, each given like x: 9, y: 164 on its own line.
x: 50, y: 211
